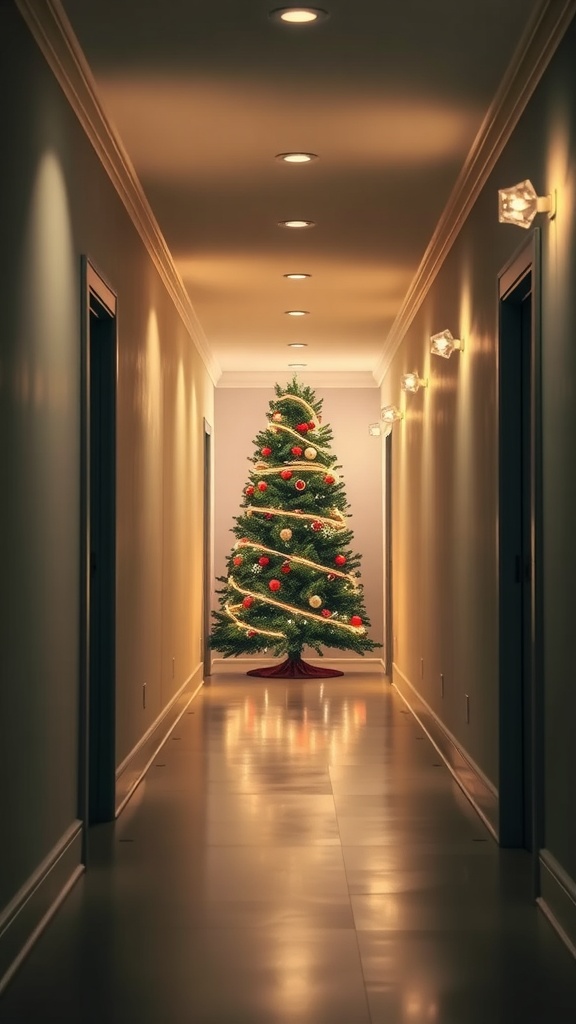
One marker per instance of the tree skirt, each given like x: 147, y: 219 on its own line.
x: 295, y: 668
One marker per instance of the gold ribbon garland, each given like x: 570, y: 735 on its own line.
x: 295, y: 611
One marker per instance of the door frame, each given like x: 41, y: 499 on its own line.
x: 97, y: 299
x: 208, y: 558
x: 388, y: 581
x: 521, y: 274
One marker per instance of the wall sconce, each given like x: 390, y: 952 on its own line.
x: 443, y: 344
x: 391, y: 413
x: 412, y: 382
x: 377, y: 430
x: 519, y: 204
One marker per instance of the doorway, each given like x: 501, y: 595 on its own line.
x: 98, y: 639
x: 519, y: 541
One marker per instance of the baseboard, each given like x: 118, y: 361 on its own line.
x: 242, y: 664
x: 557, y: 899
x: 481, y: 793
x: 26, y: 916
x: 133, y: 768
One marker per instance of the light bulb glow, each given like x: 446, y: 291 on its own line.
x: 297, y: 277
x: 374, y: 430
x: 297, y: 312
x: 296, y: 223
x: 391, y: 413
x: 412, y: 382
x: 298, y: 15
x: 520, y: 203
x: 231, y: 609
x: 443, y: 344
x: 296, y: 158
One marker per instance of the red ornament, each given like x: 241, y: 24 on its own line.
x: 249, y: 491
x: 355, y: 620
x: 274, y: 585
x: 302, y: 428
x: 268, y: 515
x: 326, y: 614
x: 296, y: 450
x: 262, y: 485
x: 317, y: 525
x: 251, y: 633
x: 238, y: 560
x: 311, y: 425
x: 300, y: 485
x: 286, y: 567
x: 340, y: 560
x: 248, y: 602
x: 329, y: 479
x: 265, y: 451
x: 286, y: 474
x: 264, y: 560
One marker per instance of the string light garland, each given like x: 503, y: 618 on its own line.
x: 337, y: 522
x: 295, y: 611
x: 275, y: 427
x: 302, y: 467
x: 232, y: 608
x: 299, y: 401
x: 330, y: 571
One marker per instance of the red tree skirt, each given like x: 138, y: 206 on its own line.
x: 295, y: 668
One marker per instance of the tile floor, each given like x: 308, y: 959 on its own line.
x: 297, y: 855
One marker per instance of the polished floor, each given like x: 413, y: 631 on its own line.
x: 297, y: 855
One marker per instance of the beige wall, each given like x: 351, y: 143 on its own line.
x: 241, y: 412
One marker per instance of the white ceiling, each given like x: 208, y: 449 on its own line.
x: 389, y: 96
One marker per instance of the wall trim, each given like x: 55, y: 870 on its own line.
x: 268, y: 378
x: 34, y: 905
x: 241, y: 664
x: 543, y: 34
x: 133, y: 768
x: 558, y: 899
x: 55, y: 37
x: 475, y: 785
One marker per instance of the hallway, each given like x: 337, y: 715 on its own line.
x: 297, y: 853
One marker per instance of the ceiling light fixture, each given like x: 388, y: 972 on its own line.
x: 443, y: 344
x: 297, y: 344
x: 297, y: 312
x: 298, y: 15
x: 412, y: 382
x: 391, y: 413
x: 296, y: 277
x: 296, y: 223
x: 297, y: 366
x: 519, y: 204
x: 296, y: 158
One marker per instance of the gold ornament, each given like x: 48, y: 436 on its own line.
x: 315, y: 601
x: 310, y: 453
x: 286, y: 534
x: 277, y: 416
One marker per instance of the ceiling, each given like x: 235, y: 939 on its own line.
x: 390, y: 96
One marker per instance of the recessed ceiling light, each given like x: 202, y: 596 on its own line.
x: 299, y: 15
x: 296, y: 158
x: 296, y: 277
x: 297, y: 366
x: 296, y: 312
x: 297, y: 344
x: 296, y: 223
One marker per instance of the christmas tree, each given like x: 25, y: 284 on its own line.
x: 292, y: 580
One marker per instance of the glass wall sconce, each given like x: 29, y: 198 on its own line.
x: 412, y: 382
x: 519, y: 204
x: 443, y: 344
x: 391, y: 413
x: 374, y: 430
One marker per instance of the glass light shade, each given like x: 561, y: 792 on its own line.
x: 296, y: 223
x: 391, y: 413
x: 297, y: 277
x: 296, y: 158
x: 374, y: 429
x: 412, y: 382
x: 298, y: 15
x: 520, y: 203
x: 443, y: 344
x: 297, y: 312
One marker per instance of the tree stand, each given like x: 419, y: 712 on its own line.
x: 295, y: 668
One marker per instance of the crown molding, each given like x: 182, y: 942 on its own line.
x: 53, y: 33
x: 268, y: 378
x: 543, y: 33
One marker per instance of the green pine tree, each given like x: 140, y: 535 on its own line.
x: 292, y: 578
